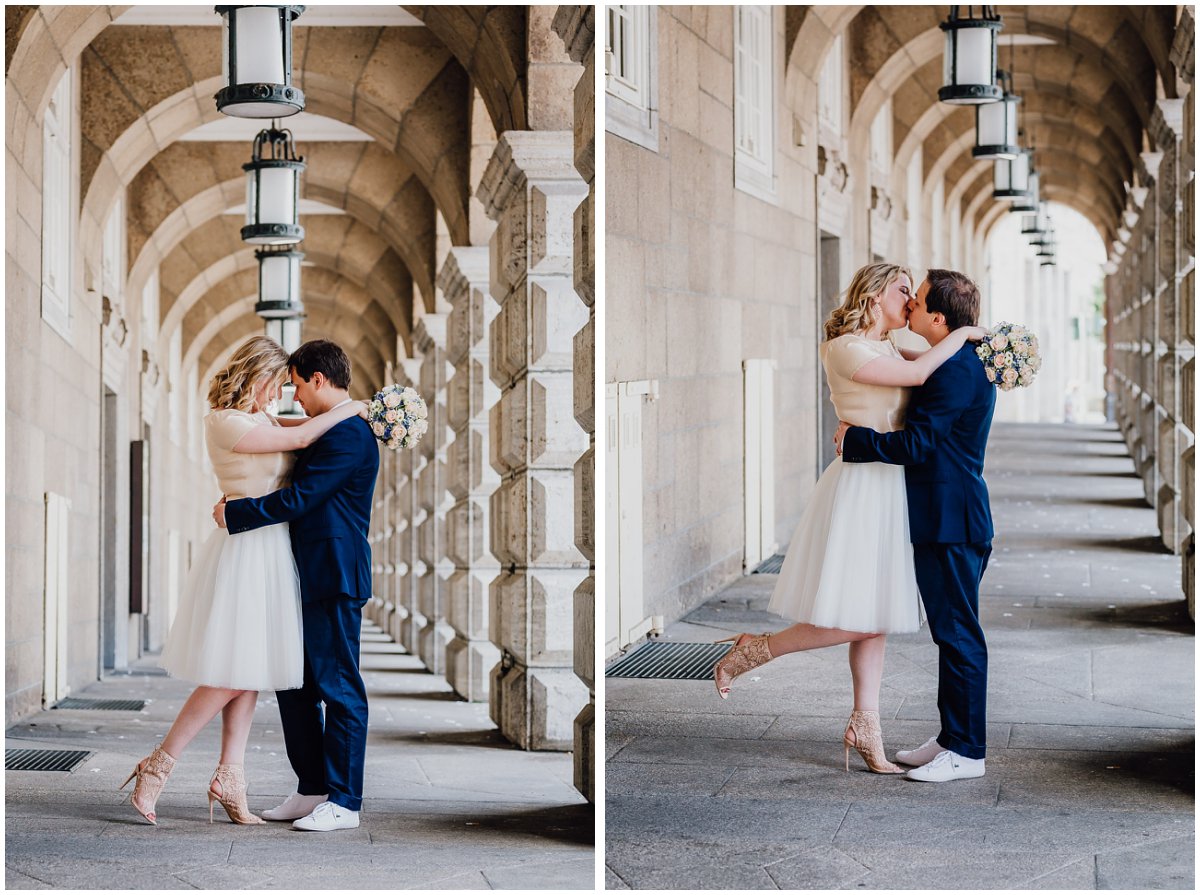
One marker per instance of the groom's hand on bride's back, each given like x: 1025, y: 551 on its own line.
x: 219, y: 512
x: 840, y: 434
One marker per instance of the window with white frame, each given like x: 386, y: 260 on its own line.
x: 916, y: 257
x: 631, y: 74
x: 150, y: 310
x: 881, y: 139
x: 754, y: 101
x: 57, y: 217
x: 112, y: 265
x: 830, y: 89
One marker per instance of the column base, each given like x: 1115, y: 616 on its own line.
x: 535, y: 707
x: 469, y: 664
x: 431, y: 645
x: 585, y: 752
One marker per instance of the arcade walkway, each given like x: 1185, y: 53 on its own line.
x: 1090, y: 779
x: 450, y: 804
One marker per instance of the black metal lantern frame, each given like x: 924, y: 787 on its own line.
x: 1027, y: 202
x: 996, y: 124
x: 969, y: 60
x: 278, y: 283
x: 273, y: 190
x: 258, y: 62
x: 1011, y: 176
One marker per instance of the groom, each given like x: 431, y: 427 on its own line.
x: 328, y: 504
x: 941, y: 448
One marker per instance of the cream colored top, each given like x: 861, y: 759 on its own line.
x: 878, y: 407
x: 242, y: 475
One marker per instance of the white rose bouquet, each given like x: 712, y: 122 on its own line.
x: 398, y: 416
x: 1010, y: 355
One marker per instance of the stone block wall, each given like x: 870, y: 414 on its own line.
x: 699, y: 277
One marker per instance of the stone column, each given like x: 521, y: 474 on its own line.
x: 409, y: 516
x: 434, y: 500
x: 531, y: 190
x: 1183, y: 56
x: 1172, y: 437
x: 576, y: 25
x: 470, y: 656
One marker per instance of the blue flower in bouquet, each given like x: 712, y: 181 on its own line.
x: 1010, y: 356
x: 398, y: 416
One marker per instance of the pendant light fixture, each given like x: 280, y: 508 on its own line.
x: 1027, y: 202
x: 273, y: 190
x: 996, y: 124
x: 257, y: 62
x: 969, y: 58
x: 278, y: 283
x: 1011, y: 177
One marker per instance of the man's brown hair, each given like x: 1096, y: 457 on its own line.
x: 324, y: 357
x: 954, y: 296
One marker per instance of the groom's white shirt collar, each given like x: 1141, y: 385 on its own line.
x: 339, y: 404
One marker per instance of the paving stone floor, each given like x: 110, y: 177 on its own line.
x: 1090, y: 770
x: 449, y: 803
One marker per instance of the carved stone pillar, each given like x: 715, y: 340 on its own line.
x: 434, y: 633
x: 1183, y: 56
x: 531, y: 190
x: 576, y: 25
x: 470, y: 656
x: 409, y: 516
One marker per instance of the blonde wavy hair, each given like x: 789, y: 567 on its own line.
x: 856, y: 314
x: 255, y: 359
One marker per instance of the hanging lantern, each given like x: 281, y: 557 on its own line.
x: 1039, y: 228
x: 257, y: 62
x: 969, y: 60
x: 1011, y: 177
x: 273, y: 190
x: 278, y: 284
x: 996, y: 125
x: 285, y: 331
x: 1027, y: 202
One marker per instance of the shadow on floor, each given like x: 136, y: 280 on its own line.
x: 567, y: 823
x: 1172, y: 616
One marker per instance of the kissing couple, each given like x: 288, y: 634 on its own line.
x: 274, y: 599
x: 900, y: 518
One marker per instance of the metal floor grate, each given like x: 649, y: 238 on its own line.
x: 670, y: 661
x: 770, y: 566
x: 103, y: 705
x: 43, y: 759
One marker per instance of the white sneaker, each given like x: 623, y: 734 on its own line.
x: 326, y: 818
x: 294, y: 806
x: 923, y: 754
x: 947, y: 766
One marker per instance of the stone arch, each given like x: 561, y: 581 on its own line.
x: 376, y: 189
x: 809, y: 33
x: 423, y: 127
x: 192, y: 277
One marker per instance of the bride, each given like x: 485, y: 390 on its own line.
x: 848, y: 576
x: 238, y: 628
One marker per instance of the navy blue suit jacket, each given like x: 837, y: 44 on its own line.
x: 941, y: 447
x: 328, y: 506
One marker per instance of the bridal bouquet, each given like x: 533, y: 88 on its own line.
x: 1010, y: 355
x: 398, y: 416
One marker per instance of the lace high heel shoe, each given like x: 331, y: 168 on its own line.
x: 739, y: 660
x: 151, y: 773
x: 228, y: 786
x: 864, y: 735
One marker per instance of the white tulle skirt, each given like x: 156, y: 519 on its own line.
x: 238, y: 623
x: 850, y: 563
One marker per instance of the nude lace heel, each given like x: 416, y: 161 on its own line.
x: 736, y: 639
x: 151, y: 773
x: 864, y: 735
x: 739, y: 660
x: 232, y: 795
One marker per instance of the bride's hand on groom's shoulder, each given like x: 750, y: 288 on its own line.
x: 363, y: 408
x: 976, y: 333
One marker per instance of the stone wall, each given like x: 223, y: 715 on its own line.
x: 699, y: 277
